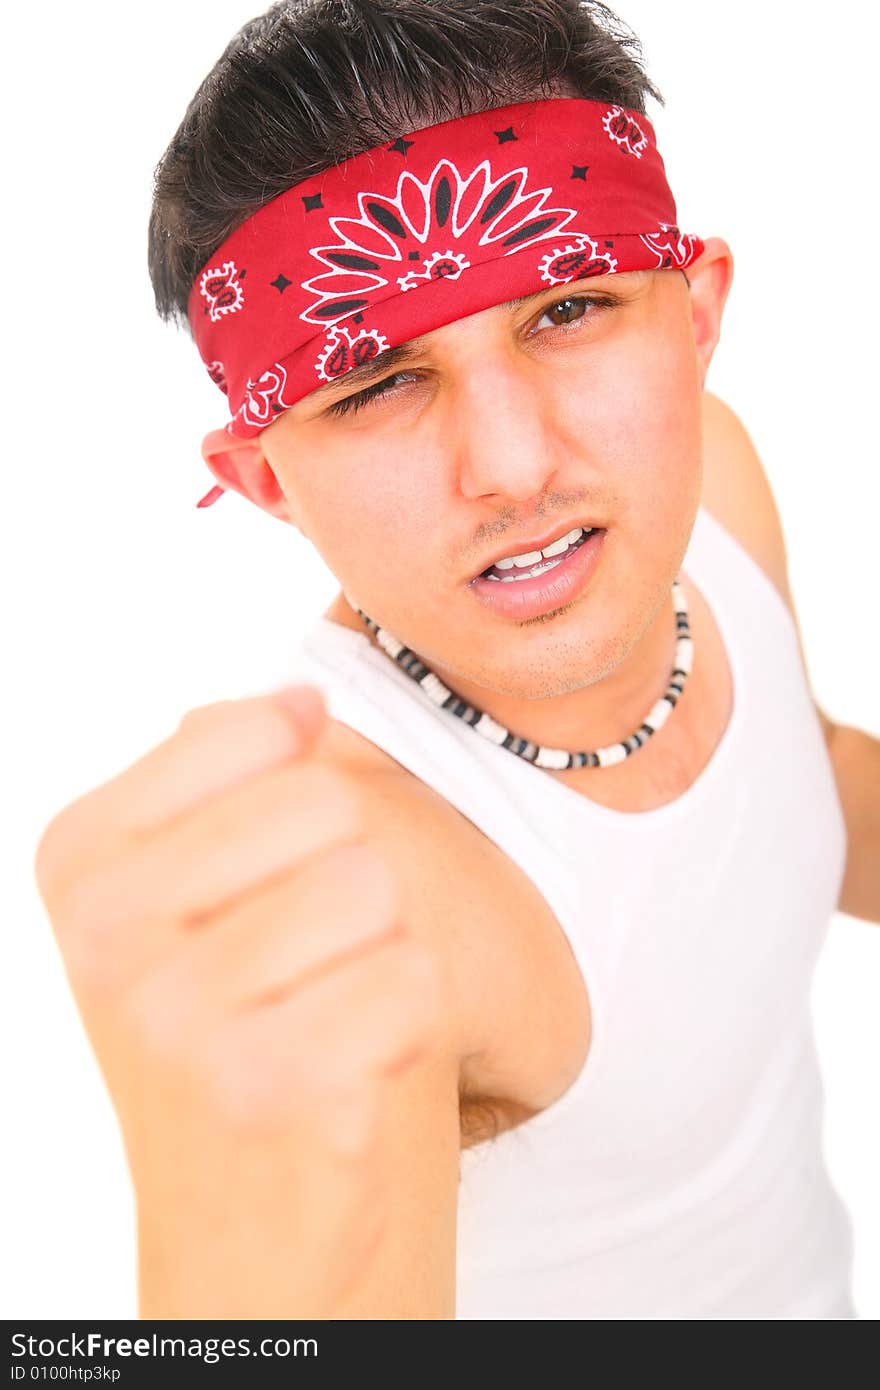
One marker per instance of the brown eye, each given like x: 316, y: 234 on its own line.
x: 576, y: 308
x: 568, y: 310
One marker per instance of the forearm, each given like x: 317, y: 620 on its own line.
x: 855, y: 756
x: 260, y: 1256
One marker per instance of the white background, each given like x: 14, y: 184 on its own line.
x: 124, y: 605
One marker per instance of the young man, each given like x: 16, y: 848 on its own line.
x: 488, y: 995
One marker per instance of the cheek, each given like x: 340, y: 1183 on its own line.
x: 365, y: 504
x: 635, y: 422
x: 637, y: 414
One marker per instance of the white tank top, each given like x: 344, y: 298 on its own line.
x: 682, y: 1173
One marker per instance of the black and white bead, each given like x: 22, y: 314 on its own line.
x: 557, y: 758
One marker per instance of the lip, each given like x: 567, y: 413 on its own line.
x: 524, y: 547
x: 529, y: 598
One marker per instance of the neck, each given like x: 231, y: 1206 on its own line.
x: 594, y: 715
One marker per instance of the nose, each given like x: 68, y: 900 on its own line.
x: 505, y: 441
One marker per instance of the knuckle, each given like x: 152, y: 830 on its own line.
x: 333, y: 793
x: 51, y: 848
x: 266, y: 718
x: 88, y: 965
x: 249, y: 1093
x: 409, y: 960
x: 348, y: 1117
x: 253, y: 718
x: 422, y: 964
x: 45, y: 854
x: 89, y: 921
x: 239, y: 1099
x: 421, y: 977
x: 303, y: 704
x: 77, y: 912
x: 269, y: 726
x: 201, y: 715
x: 361, y: 872
x: 157, y: 1026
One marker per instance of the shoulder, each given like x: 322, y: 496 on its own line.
x: 737, y: 492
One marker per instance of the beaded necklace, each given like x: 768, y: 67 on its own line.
x: 541, y: 756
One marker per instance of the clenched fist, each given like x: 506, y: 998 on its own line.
x: 237, y: 955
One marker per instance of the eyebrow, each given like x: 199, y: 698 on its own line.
x: 357, y: 378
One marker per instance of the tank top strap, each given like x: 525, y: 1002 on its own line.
x: 737, y: 589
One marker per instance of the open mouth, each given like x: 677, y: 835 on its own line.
x: 514, y: 573
x: 542, y: 584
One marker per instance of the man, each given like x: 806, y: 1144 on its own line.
x: 539, y: 1045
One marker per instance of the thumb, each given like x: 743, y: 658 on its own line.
x: 307, y: 708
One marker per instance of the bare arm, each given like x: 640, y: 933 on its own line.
x: 275, y: 1039
x: 855, y: 755
x: 736, y: 489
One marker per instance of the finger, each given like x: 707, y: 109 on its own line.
x: 214, y: 748
x: 319, y: 1050
x: 184, y: 873
x: 333, y: 903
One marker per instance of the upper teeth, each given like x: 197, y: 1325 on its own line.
x: 534, y: 556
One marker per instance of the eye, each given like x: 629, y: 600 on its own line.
x: 369, y: 393
x: 574, y: 308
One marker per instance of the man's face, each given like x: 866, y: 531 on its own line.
x: 579, y: 405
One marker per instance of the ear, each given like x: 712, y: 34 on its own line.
x: 240, y: 464
x: 711, y: 276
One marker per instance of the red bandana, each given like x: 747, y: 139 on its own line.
x: 409, y: 236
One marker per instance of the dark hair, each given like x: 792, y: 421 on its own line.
x: 312, y: 82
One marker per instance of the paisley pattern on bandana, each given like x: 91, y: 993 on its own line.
x: 468, y: 210
x: 344, y: 350
x: 264, y: 397
x: 431, y: 227
x: 439, y: 265
x: 625, y: 130
x: 671, y: 246
x: 577, y: 261
x: 218, y: 375
x: 223, y: 290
